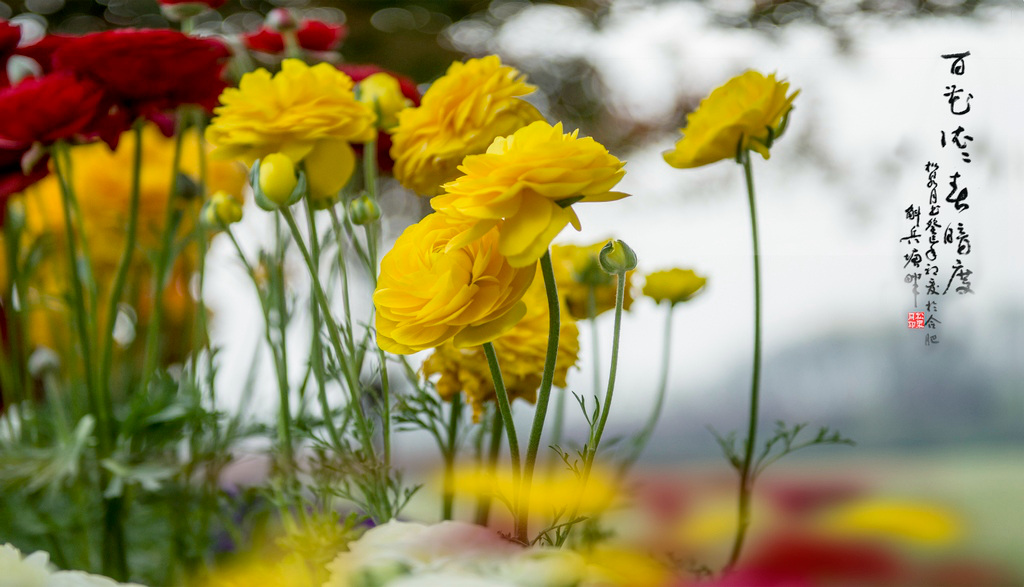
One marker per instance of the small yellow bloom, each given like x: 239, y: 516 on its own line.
x: 577, y: 269
x: 222, y: 209
x: 427, y: 295
x: 675, y: 285
x: 529, y: 180
x: 460, y: 115
x: 383, y: 95
x: 308, y: 114
x: 913, y: 523
x: 521, y: 352
x: 277, y: 178
x: 747, y: 112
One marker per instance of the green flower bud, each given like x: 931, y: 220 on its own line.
x: 363, y: 210
x: 221, y: 210
x: 275, y: 183
x: 617, y: 258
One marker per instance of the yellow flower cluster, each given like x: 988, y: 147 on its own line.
x: 309, y: 114
x: 521, y: 352
x: 461, y: 114
x: 577, y: 271
x: 103, y: 190
x: 527, y: 182
x: 427, y: 296
x: 747, y: 112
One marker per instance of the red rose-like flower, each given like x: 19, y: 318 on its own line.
x: 312, y: 35
x: 148, y: 70
x: 359, y: 72
x: 50, y: 108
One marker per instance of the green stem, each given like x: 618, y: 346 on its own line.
x: 96, y: 404
x: 746, y: 471
x: 284, y: 423
x: 598, y: 432
x: 450, y: 449
x: 483, y: 501
x: 505, y: 409
x: 316, y: 356
x: 592, y: 317
x: 332, y: 330
x: 172, y: 218
x: 645, y: 433
x: 543, y: 395
x: 121, y: 276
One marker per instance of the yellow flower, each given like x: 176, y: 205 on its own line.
x: 747, y: 112
x: 675, y: 285
x: 221, y: 210
x: 461, y: 114
x: 382, y: 94
x: 577, y: 269
x: 521, y: 352
x: 277, y: 178
x: 529, y: 180
x: 550, y: 493
x: 102, y: 182
x: 307, y: 113
x: 900, y: 520
x: 427, y: 296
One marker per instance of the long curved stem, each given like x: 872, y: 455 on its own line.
x: 543, y: 395
x: 505, y: 409
x: 597, y: 432
x: 652, y: 421
x: 483, y: 502
x: 746, y: 471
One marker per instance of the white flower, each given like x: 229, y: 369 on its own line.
x: 24, y: 571
x: 35, y: 570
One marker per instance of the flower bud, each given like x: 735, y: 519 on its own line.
x: 221, y: 210
x: 281, y: 20
x: 617, y: 258
x: 275, y: 182
x: 363, y: 210
x: 179, y: 11
x: 382, y: 93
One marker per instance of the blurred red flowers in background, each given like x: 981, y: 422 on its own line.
x: 312, y: 35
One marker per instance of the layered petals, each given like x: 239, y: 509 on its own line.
x: 427, y: 296
x: 529, y: 180
x: 747, y: 112
x: 460, y: 115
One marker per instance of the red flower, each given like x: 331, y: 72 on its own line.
x: 312, y: 35
x: 213, y: 4
x: 359, y: 72
x: 50, y: 108
x: 148, y: 70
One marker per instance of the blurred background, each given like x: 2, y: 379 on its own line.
x: 943, y: 422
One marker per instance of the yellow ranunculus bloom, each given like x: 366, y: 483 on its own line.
x: 309, y: 114
x: 382, y: 93
x: 521, y: 352
x: 221, y: 210
x: 675, y: 285
x: 427, y: 296
x: 747, y: 112
x: 102, y: 183
x: 559, y: 492
x: 577, y: 269
x: 460, y: 115
x: 529, y: 180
